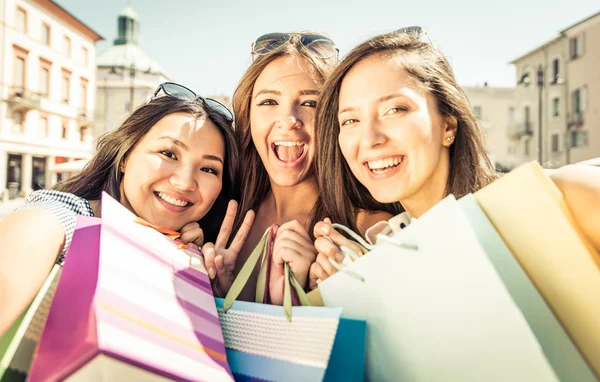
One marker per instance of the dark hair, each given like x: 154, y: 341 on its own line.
x: 102, y: 173
x: 253, y: 176
x: 470, y: 168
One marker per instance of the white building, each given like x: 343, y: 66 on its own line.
x: 494, y: 109
x: 47, y: 91
x: 126, y: 75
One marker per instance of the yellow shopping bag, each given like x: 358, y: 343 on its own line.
x: 529, y: 212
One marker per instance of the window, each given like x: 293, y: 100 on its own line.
x: 83, y: 94
x: 17, y: 122
x: 64, y: 130
x: 511, y: 115
x: 576, y: 47
x: 555, y: 106
x: 555, y: 71
x: 44, y: 77
x: 45, y: 34
x: 85, y: 57
x: 83, y: 133
x: 19, y: 76
x: 579, y: 138
x: 66, y: 86
x: 579, y: 100
x: 67, y: 46
x: 477, y: 111
x: 527, y: 147
x: 555, y: 140
x: 21, y: 20
x: 43, y: 127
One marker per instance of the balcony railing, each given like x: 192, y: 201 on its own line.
x: 21, y: 98
x: 576, y: 120
x: 517, y: 130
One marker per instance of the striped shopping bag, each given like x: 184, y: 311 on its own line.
x: 129, y: 306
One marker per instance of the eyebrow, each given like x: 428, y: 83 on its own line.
x: 382, y: 99
x: 277, y: 92
x: 186, y: 148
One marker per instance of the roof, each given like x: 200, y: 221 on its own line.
x: 541, y: 47
x: 130, y: 13
x: 580, y: 22
x: 127, y: 54
x: 58, y: 11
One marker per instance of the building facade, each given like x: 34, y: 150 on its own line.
x: 126, y: 75
x: 47, y: 91
x: 557, y: 115
x: 494, y: 107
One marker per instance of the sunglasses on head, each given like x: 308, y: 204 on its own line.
x: 416, y: 31
x: 174, y: 90
x: 322, y: 46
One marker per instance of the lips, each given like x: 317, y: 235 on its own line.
x: 383, y: 165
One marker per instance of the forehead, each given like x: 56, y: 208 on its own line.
x: 286, y: 71
x: 379, y: 75
x: 194, y: 132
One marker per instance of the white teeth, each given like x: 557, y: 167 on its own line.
x: 288, y: 144
x: 171, y: 200
x: 384, y: 163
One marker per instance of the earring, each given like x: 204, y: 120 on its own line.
x: 449, y: 139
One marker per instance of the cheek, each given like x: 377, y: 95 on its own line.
x: 349, y: 144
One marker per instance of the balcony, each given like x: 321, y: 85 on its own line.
x: 20, y: 98
x: 576, y: 120
x: 518, y: 130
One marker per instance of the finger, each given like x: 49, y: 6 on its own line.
x: 326, y: 265
x: 299, y: 264
x: 208, y: 250
x: 242, y: 233
x: 322, y: 228
x: 327, y: 220
x: 341, y: 240
x: 194, y: 235
x: 309, y: 253
x: 227, y: 225
x: 327, y: 248
x: 294, y: 226
x: 316, y: 275
x: 188, y: 227
x: 194, y: 246
x: 293, y: 238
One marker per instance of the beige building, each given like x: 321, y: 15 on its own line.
x: 47, y: 91
x: 126, y: 75
x: 557, y: 101
x: 494, y: 109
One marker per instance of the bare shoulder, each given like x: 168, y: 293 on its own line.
x: 366, y: 219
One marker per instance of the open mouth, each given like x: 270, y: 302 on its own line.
x: 171, y: 200
x: 288, y: 151
x: 381, y: 166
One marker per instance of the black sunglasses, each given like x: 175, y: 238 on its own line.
x: 322, y: 46
x: 174, y: 90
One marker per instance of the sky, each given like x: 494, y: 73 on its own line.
x: 205, y: 45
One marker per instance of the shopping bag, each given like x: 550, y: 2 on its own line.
x: 129, y: 307
x: 18, y: 344
x: 529, y: 212
x: 439, y: 312
x: 275, y: 343
x: 562, y: 354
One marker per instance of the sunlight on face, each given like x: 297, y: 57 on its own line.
x: 282, y: 119
x: 391, y: 131
x: 174, y: 174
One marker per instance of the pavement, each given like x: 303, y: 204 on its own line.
x: 9, y: 206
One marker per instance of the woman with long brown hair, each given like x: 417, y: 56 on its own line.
x: 393, y: 125
x: 172, y: 163
x: 274, y: 107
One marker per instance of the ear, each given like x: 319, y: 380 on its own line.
x: 123, y: 165
x: 450, y: 127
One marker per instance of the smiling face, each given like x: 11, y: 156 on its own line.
x: 391, y: 132
x: 173, y: 175
x: 282, y: 118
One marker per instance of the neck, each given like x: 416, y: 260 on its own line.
x: 430, y: 193
x: 291, y: 203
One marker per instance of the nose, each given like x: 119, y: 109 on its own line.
x: 183, y: 179
x: 372, y: 134
x: 290, y: 120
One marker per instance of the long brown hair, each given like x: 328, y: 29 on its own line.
x: 253, y: 186
x: 470, y: 168
x: 102, y: 172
